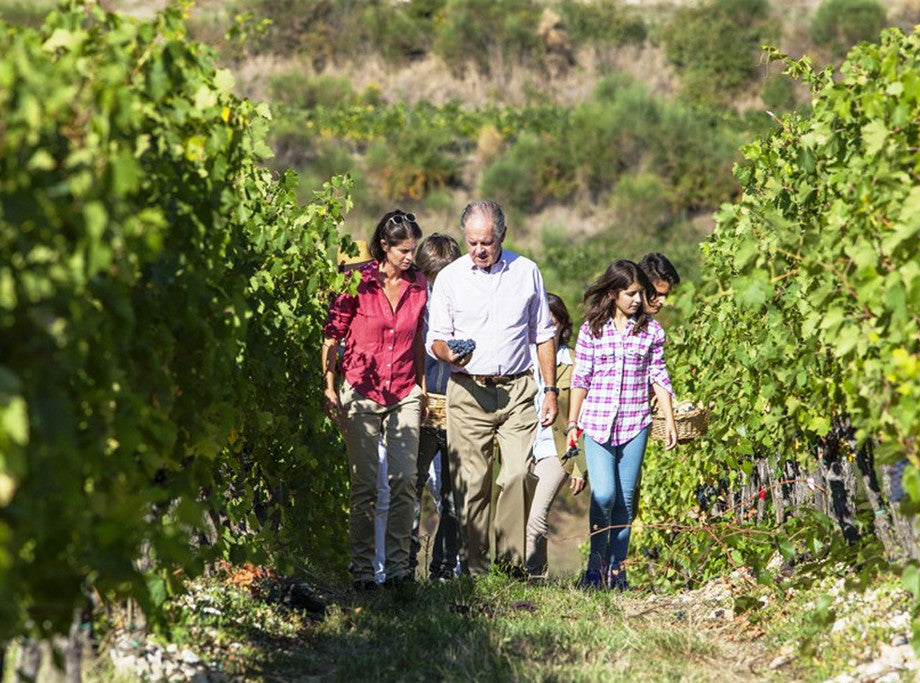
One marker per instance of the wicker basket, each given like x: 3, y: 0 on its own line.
x: 437, y: 412
x: 691, y: 422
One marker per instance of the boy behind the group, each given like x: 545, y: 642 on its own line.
x: 433, y: 254
x: 663, y: 277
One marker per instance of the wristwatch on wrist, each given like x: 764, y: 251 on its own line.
x: 555, y: 390
x: 569, y: 427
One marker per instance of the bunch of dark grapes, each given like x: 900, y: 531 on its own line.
x: 708, y: 497
x: 462, y: 347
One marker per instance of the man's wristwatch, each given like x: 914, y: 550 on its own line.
x: 555, y: 390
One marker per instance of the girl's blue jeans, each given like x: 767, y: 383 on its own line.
x: 612, y: 471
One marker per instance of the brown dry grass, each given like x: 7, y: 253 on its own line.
x: 430, y: 80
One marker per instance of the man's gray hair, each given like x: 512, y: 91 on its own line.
x: 487, y: 209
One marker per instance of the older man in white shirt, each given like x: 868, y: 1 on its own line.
x: 496, y: 298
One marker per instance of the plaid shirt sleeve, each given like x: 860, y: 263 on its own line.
x: 658, y: 371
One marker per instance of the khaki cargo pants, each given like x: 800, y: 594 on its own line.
x: 477, y: 414
x: 363, y: 423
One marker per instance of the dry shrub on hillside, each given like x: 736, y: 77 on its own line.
x: 838, y: 25
x: 489, y: 35
x: 905, y: 14
x: 489, y: 145
x: 715, y: 46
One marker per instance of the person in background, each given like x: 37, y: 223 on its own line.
x: 497, y: 299
x: 619, y: 355
x: 381, y: 515
x: 550, y: 447
x: 434, y: 253
x: 382, y: 394
x: 663, y: 277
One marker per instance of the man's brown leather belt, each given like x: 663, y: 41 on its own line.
x: 493, y: 379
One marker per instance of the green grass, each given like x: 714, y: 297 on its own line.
x: 496, y: 629
x: 489, y: 629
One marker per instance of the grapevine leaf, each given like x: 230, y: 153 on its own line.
x: 819, y: 424
x: 95, y: 215
x: 785, y: 548
x: 223, y: 80
x: 911, y: 482
x: 14, y: 418
x: 156, y: 587
x: 874, y: 133
x: 7, y: 489
x: 754, y: 290
x: 908, y: 223
x: 910, y: 579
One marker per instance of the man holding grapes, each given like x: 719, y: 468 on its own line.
x: 487, y: 309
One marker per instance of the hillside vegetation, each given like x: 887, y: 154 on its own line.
x: 607, y: 129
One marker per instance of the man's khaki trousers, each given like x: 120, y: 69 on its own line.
x: 363, y: 423
x: 477, y: 413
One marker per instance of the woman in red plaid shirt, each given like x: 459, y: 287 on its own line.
x: 619, y: 354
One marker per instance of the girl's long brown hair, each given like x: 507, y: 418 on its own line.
x: 561, y: 313
x: 601, y: 296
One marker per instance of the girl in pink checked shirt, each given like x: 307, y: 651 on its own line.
x: 619, y: 354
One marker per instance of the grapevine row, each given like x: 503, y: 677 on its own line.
x: 804, y: 334
x: 160, y: 300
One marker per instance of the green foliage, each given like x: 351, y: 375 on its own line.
x: 315, y: 27
x: 693, y: 148
x: 417, y: 160
x: 807, y: 307
x: 840, y: 24
x: 622, y: 130
x: 293, y: 89
x: 830, y: 254
x: 325, y: 31
x: 642, y: 200
x: 553, y: 153
x: 603, y: 21
x: 530, y: 174
x: 363, y: 123
x: 401, y: 30
x: 715, y: 46
x: 608, y: 138
x: 25, y: 13
x: 487, y: 34
x: 778, y: 94
x: 161, y: 301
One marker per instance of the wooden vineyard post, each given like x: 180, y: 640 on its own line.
x: 841, y: 486
x: 881, y: 520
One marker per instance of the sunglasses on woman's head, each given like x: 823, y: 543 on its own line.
x: 399, y: 218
